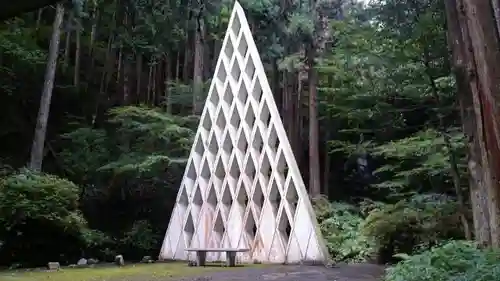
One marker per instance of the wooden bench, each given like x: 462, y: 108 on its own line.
x: 201, y: 254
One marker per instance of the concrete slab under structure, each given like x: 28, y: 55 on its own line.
x: 242, y: 187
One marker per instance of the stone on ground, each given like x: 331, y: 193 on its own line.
x: 119, y: 260
x: 53, y: 266
x: 82, y: 262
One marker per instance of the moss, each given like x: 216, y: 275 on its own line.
x: 139, y: 272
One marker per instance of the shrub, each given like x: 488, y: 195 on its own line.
x: 452, y: 261
x: 39, y: 218
x: 422, y: 220
x: 140, y: 239
x: 29, y: 196
x: 339, y: 224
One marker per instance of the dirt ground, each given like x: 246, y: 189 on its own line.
x: 354, y: 272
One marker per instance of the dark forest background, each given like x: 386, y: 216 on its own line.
x: 100, y: 101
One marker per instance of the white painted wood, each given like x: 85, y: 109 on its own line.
x: 242, y: 186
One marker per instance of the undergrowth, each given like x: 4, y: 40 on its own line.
x: 383, y: 232
x: 451, y: 261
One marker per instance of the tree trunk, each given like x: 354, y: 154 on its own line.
x: 76, y: 77
x: 198, y: 66
x: 43, y: 113
x: 177, y: 81
x: 470, y: 98
x: 90, y: 64
x: 285, y: 101
x: 299, y: 108
x: 152, y: 97
x: 477, y: 186
x: 275, y: 86
x: 496, y: 8
x: 463, y: 64
x: 67, y: 46
x: 314, y: 166
x: 166, y: 91
x: 483, y: 34
x: 159, y: 82
x: 326, y: 170
x: 119, y: 68
x: 38, y: 18
x: 103, y: 98
x: 207, y: 61
x: 93, y: 29
x: 216, y: 51
x: 150, y: 81
x: 126, y: 80
x: 459, y: 41
x: 138, y: 74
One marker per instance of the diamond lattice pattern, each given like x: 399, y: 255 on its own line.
x: 242, y: 187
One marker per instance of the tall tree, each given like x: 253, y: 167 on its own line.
x: 38, y: 146
x: 481, y: 24
x: 199, y: 51
x: 314, y: 160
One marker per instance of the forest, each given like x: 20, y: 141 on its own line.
x: 100, y: 102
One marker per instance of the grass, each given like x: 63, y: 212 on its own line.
x: 137, y: 272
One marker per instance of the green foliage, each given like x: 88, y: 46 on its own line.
x: 340, y: 225
x: 424, y: 155
x: 95, y: 238
x: 27, y: 196
x: 422, y: 220
x: 389, y: 92
x: 20, y: 55
x: 137, y: 159
x: 387, y: 231
x: 142, y: 237
x: 377, y: 74
x: 18, y: 42
x: 138, y: 141
x: 453, y: 261
x: 148, y: 140
x: 33, y: 205
x: 182, y: 94
x: 85, y: 152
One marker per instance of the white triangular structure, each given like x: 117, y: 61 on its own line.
x: 242, y: 186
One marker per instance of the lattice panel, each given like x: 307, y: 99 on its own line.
x: 242, y: 187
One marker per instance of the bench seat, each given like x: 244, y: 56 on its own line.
x: 201, y: 254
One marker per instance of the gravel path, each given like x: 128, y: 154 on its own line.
x: 354, y: 272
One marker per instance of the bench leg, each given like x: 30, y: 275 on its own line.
x: 231, y: 259
x: 201, y: 258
